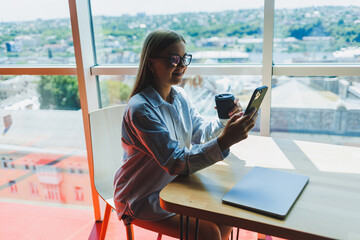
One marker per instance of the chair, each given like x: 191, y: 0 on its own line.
x: 105, y: 128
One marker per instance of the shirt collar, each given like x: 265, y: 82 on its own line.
x: 154, y: 97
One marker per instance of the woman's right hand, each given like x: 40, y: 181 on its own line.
x: 236, y: 129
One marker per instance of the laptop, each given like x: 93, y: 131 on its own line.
x: 267, y: 191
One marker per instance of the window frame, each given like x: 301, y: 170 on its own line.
x: 87, y: 71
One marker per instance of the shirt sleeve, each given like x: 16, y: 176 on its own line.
x: 151, y: 136
x: 204, y: 131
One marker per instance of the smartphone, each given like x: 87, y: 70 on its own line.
x: 256, y: 99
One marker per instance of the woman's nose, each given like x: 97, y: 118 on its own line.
x: 181, y: 64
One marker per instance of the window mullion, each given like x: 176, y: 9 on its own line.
x: 268, y: 37
x: 84, y: 55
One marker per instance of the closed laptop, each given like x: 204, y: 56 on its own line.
x: 268, y: 191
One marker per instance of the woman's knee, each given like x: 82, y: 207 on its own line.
x: 209, y: 231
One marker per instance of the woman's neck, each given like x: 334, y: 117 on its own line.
x: 164, y: 91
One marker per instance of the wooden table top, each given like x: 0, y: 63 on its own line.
x: 329, y: 206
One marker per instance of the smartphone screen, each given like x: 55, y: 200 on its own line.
x: 256, y: 99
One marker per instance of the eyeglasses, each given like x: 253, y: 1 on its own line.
x: 175, y: 59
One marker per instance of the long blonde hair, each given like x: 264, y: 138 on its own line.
x: 154, y: 43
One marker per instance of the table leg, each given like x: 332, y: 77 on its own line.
x: 196, y: 229
x: 187, y: 228
x: 181, y: 227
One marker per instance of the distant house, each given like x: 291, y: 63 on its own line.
x: 220, y: 56
x: 12, y: 46
x: 350, y: 53
x: 318, y: 38
x: 12, y: 87
x: 56, y: 47
x: 27, y: 41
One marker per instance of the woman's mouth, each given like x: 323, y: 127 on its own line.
x: 178, y: 73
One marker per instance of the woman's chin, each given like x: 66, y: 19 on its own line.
x: 177, y: 77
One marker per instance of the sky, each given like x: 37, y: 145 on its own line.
x: 22, y: 10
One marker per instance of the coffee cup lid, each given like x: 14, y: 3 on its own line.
x: 224, y: 97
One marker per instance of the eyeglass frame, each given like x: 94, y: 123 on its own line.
x: 181, y: 59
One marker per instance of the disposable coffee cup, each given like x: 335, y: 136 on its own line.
x: 224, y: 104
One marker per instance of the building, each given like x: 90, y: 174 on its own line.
x: 13, y: 47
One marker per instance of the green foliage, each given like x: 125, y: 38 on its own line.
x: 310, y: 29
x: 59, y: 92
x: 336, y: 22
x: 5, y: 77
x: 113, y: 92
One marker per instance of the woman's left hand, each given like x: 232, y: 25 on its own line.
x: 236, y: 109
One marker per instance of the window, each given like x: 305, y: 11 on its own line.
x: 52, y: 192
x: 230, y: 32
x: 321, y: 32
x: 115, y: 89
x: 3, y: 163
x: 79, y: 194
x: 201, y: 90
x: 7, y: 163
x: 35, y: 33
x: 46, y: 129
x: 34, y: 188
x: 41, y: 119
x: 324, y: 109
x: 12, y: 186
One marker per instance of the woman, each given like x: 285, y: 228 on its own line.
x: 159, y: 127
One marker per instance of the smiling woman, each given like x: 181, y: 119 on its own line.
x: 164, y: 136
x: 153, y: 66
x: 166, y: 73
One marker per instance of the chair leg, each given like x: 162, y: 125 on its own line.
x: 105, y: 221
x: 159, y: 236
x: 129, y: 232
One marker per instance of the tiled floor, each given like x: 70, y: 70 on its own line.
x: 28, y: 197
x: 37, y: 222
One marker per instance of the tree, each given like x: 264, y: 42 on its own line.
x: 59, y: 92
x: 113, y: 92
x: 50, y: 55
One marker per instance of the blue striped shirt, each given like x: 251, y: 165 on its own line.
x: 161, y: 140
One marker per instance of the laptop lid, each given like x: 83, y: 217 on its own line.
x: 268, y: 191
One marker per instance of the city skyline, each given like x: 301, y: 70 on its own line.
x: 52, y: 9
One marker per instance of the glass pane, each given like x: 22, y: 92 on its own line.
x: 115, y: 89
x: 201, y: 91
x: 42, y: 147
x: 230, y: 32
x: 35, y: 32
x: 317, y: 31
x: 320, y: 109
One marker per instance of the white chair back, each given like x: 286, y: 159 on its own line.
x: 105, y: 127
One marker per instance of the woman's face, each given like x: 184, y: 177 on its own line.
x: 164, y: 73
